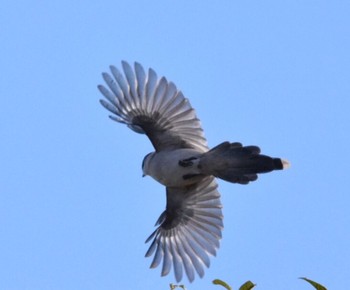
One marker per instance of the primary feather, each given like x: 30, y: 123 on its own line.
x: 152, y: 106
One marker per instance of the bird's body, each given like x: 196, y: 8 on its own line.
x: 190, y: 228
x: 165, y: 167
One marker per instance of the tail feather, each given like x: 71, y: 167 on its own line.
x: 236, y: 163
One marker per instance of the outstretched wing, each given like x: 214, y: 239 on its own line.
x: 152, y: 106
x: 189, y: 230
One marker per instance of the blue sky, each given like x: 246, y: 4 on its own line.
x: 74, y: 210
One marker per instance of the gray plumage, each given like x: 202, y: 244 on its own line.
x: 189, y: 230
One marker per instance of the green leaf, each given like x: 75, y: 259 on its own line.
x: 247, y: 286
x: 173, y: 286
x: 222, y: 283
x: 316, y: 285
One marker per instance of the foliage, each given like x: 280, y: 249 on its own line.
x: 246, y: 286
x: 249, y: 285
x: 172, y: 287
x: 316, y: 285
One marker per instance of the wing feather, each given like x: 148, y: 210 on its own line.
x: 167, y: 260
x: 132, y: 82
x: 123, y: 86
x: 188, y: 234
x: 141, y: 82
x: 178, y: 257
x: 153, y: 106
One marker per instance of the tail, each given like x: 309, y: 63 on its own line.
x: 234, y: 163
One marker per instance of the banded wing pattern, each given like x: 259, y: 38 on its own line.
x: 189, y: 230
x: 152, y: 106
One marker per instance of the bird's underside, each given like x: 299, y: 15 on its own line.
x: 189, y: 230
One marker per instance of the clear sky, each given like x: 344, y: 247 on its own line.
x: 74, y: 209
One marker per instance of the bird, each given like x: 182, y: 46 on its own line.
x: 189, y: 230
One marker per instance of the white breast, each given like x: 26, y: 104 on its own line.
x: 164, y: 167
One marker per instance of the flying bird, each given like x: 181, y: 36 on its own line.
x: 189, y: 230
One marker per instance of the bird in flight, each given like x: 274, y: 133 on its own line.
x: 189, y: 230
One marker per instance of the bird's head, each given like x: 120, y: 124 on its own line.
x: 146, y: 164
